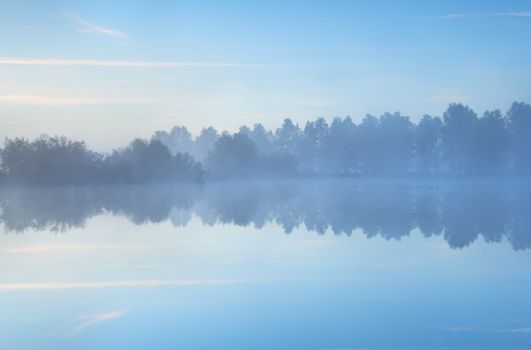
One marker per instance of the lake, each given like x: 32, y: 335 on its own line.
x: 308, y: 264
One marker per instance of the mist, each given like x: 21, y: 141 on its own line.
x: 460, y: 143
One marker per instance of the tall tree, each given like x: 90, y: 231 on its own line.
x: 519, y: 118
x: 427, y: 144
x: 204, y: 143
x: 313, y: 146
x: 262, y: 138
x: 491, y: 155
x: 369, y: 145
x: 459, y: 138
x: 287, y: 138
x: 233, y: 155
x: 396, y: 133
x: 341, y: 152
x: 179, y: 139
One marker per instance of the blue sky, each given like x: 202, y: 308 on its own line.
x: 110, y: 71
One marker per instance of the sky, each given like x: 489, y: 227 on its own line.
x: 109, y: 71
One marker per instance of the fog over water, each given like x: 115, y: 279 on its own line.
x: 461, y: 210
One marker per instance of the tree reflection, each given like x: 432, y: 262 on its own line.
x: 460, y: 211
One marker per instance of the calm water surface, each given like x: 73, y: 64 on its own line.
x: 342, y: 264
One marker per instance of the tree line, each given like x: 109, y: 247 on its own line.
x: 460, y: 143
x: 60, y: 161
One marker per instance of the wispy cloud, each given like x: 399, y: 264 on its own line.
x: 88, y: 321
x: 86, y: 26
x: 459, y: 329
x: 520, y: 330
x: 76, y: 248
x: 137, y: 81
x: 68, y: 101
x: 524, y: 330
x: 452, y: 16
x: 315, y: 103
x: 480, y: 15
x: 54, y: 286
x: 129, y: 64
x: 513, y: 14
x: 447, y: 98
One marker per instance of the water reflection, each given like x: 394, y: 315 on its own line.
x: 461, y: 211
